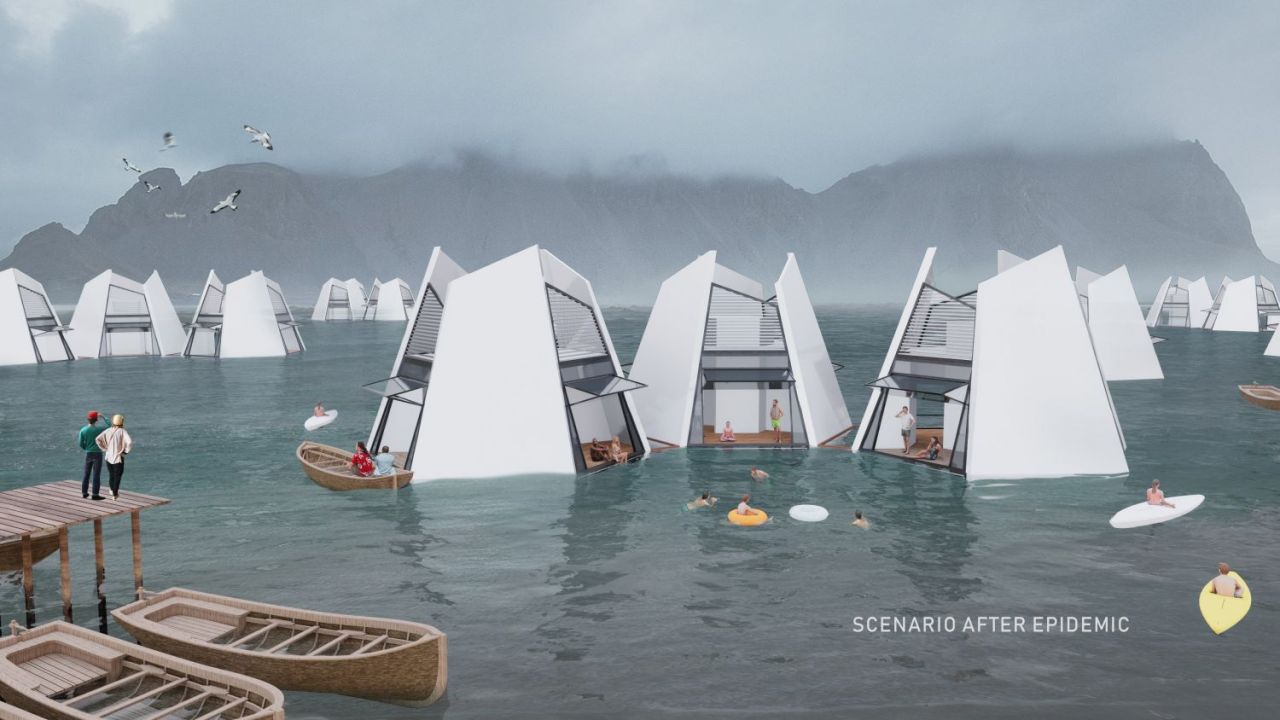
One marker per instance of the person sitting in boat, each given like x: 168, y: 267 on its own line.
x: 1224, y: 584
x: 361, y: 462
x: 758, y: 475
x: 931, y: 452
x: 744, y: 508
x: 1155, y: 496
x: 319, y: 411
x: 707, y: 500
x: 616, y: 453
x: 384, y: 463
x: 598, y: 452
x: 727, y: 435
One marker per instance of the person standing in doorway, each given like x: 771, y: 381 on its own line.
x: 775, y: 420
x: 92, y: 455
x: 115, y: 443
x: 908, y: 423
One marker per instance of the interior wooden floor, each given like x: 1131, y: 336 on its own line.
x: 711, y: 436
x: 922, y: 441
x: 593, y: 464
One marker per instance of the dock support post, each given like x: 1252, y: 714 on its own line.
x: 100, y: 569
x: 28, y: 581
x: 136, y: 521
x: 64, y: 567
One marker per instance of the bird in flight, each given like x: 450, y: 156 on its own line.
x: 150, y: 186
x: 229, y: 202
x: 260, y: 136
x: 175, y: 215
x: 130, y: 166
x: 170, y: 142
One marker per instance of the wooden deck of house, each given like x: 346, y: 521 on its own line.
x: 923, y: 436
x: 711, y: 436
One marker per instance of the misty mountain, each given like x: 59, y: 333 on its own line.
x: 1162, y: 209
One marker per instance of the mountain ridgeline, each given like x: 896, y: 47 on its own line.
x: 1161, y: 209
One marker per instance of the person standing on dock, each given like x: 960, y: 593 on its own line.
x: 115, y: 443
x: 908, y: 423
x: 92, y: 455
x: 775, y: 420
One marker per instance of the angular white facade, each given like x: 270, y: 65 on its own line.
x: 256, y: 320
x: 205, y: 328
x: 1180, y: 303
x: 1247, y: 305
x: 524, y: 375
x: 1119, y: 332
x: 717, y: 348
x: 118, y: 317
x: 1273, y: 346
x: 30, y: 331
x: 1083, y: 278
x: 1010, y: 370
x: 403, y: 394
x: 391, y: 300
x: 1006, y: 260
x: 339, y: 300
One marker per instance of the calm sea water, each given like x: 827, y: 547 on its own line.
x: 602, y: 597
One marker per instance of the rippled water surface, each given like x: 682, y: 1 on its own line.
x: 603, y: 597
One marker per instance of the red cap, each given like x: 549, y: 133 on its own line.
x: 93, y: 416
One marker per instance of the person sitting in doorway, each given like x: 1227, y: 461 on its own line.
x: 616, y: 452
x: 361, y: 462
x: 1155, y: 496
x: 1224, y: 584
x: 598, y: 452
x: 707, y: 500
x: 384, y: 463
x: 727, y: 435
x: 931, y: 452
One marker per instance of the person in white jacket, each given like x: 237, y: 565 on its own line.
x: 115, y: 443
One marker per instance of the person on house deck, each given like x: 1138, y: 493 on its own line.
x: 1155, y: 496
x: 598, y: 452
x: 92, y: 455
x: 908, y: 422
x: 931, y: 452
x: 360, y: 460
x: 707, y: 500
x: 775, y: 420
x: 384, y: 463
x: 1224, y: 584
x: 727, y: 435
x: 616, y: 453
x: 115, y: 443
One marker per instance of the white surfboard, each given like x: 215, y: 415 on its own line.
x: 1145, y: 514
x: 315, y: 422
x: 808, y: 513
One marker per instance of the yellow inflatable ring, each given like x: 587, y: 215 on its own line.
x: 756, y: 517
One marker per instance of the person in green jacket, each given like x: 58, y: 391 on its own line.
x: 92, y: 455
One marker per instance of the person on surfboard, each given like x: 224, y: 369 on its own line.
x: 1224, y: 584
x: 1155, y: 496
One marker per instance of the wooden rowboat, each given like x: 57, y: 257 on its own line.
x: 374, y: 658
x: 42, y: 546
x: 330, y: 468
x: 64, y: 672
x: 1267, y: 396
x: 9, y: 712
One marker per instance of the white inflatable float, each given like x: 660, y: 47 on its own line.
x: 1144, y: 513
x: 808, y: 513
x: 315, y: 422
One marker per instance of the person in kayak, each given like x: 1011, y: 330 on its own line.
x: 1155, y: 496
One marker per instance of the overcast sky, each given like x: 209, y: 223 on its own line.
x: 807, y: 91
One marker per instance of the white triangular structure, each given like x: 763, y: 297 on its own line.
x: 1273, y: 346
x: 1013, y: 368
x: 256, y: 320
x: 206, y: 323
x: 1083, y: 278
x: 1006, y: 260
x: 1119, y: 332
x: 524, y: 376
x: 118, y: 317
x: 1247, y: 305
x: 1180, y: 303
x: 30, y: 331
x: 718, y: 348
x: 391, y: 300
x: 339, y: 300
x: 402, y: 395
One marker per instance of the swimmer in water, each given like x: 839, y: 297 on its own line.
x: 758, y: 475
x: 1155, y: 496
x: 707, y: 500
x: 1224, y: 584
x: 860, y: 521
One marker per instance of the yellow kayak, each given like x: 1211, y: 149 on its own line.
x: 1222, y: 613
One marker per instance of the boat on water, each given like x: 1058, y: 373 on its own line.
x: 330, y: 468
x: 375, y: 658
x: 42, y: 546
x: 60, y: 671
x: 1266, y: 396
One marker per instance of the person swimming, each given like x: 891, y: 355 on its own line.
x: 707, y: 500
x: 758, y: 475
x: 1224, y: 584
x: 1155, y: 496
x: 860, y: 521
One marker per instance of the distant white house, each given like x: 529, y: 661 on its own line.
x: 1247, y: 305
x: 1005, y: 378
x: 1180, y: 303
x: 718, y: 348
x: 1119, y: 332
x: 391, y: 300
x: 256, y: 321
x: 30, y: 331
x: 205, y: 328
x: 339, y: 300
x: 403, y: 394
x: 118, y: 317
x: 524, y: 376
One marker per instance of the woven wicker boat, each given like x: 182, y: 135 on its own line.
x: 1267, y: 396
x: 330, y: 467
x: 379, y: 659
x: 64, y: 672
x: 42, y: 546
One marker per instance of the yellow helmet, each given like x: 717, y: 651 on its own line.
x: 117, y: 420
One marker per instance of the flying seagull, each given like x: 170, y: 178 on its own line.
x: 228, y: 202
x: 150, y: 186
x: 169, y: 142
x: 259, y: 136
x: 130, y: 166
x: 175, y: 215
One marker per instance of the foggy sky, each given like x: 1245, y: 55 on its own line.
x: 806, y: 91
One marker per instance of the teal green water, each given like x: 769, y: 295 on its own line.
x: 602, y: 597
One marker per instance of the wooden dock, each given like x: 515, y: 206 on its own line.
x: 52, y: 508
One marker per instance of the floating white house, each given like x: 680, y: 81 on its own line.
x: 1116, y: 325
x: 256, y: 321
x: 205, y: 329
x: 718, y: 348
x: 118, y: 317
x: 523, y: 377
x: 1005, y: 377
x: 339, y: 300
x: 391, y: 300
x: 1247, y: 305
x: 30, y: 331
x: 403, y: 394
x: 1180, y: 303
